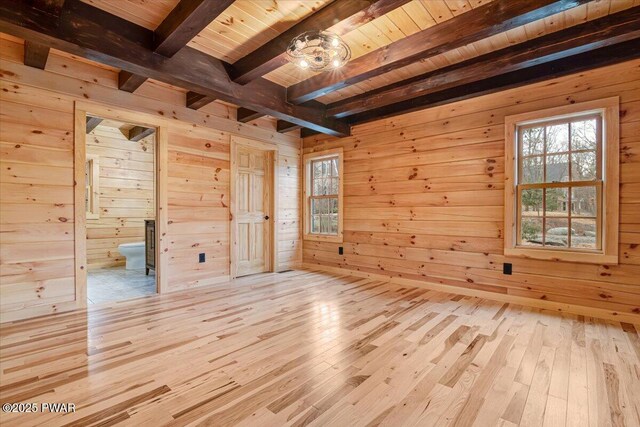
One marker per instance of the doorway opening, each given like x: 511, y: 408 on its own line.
x: 120, y: 209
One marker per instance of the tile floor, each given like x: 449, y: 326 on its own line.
x: 114, y: 284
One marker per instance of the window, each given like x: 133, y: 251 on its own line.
x: 562, y: 183
x: 92, y: 187
x: 323, y: 196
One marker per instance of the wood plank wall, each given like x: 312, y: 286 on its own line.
x: 198, y: 209
x: 126, y: 198
x: 36, y: 181
x: 424, y: 196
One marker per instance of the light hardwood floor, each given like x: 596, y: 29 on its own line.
x: 306, y: 347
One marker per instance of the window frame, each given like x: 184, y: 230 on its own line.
x: 93, y: 205
x: 308, y: 160
x: 316, y: 198
x: 545, y: 185
x: 607, y: 186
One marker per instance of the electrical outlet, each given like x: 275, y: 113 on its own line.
x: 340, y: 250
x: 201, y: 258
x: 507, y: 268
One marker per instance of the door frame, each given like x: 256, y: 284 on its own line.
x: 81, y: 110
x: 272, y: 164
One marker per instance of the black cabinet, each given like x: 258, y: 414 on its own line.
x: 150, y: 244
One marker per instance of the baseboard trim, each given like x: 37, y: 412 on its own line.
x: 530, y: 302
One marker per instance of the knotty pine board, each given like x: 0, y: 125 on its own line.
x: 36, y: 180
x: 424, y: 197
x: 577, y: 15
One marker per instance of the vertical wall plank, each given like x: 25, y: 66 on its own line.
x: 80, y: 230
x: 162, y: 245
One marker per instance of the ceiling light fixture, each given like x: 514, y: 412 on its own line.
x: 318, y: 51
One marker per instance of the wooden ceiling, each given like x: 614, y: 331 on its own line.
x: 580, y: 14
x: 407, y: 54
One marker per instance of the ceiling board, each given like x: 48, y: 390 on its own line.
x: 248, y: 24
x: 414, y: 16
x: 148, y: 14
x: 530, y: 31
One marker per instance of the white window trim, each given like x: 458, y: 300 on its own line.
x: 609, y: 109
x: 306, y: 200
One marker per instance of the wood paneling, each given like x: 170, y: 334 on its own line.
x: 586, y: 12
x: 485, y: 21
x: 575, y: 64
x: 339, y: 18
x: 36, y: 181
x: 36, y: 202
x: 86, y: 31
x: 183, y: 23
x: 424, y: 196
x: 588, y: 37
x: 198, y: 186
x: 308, y: 348
x: 247, y: 25
x: 126, y: 193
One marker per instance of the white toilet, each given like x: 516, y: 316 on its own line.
x: 134, y: 253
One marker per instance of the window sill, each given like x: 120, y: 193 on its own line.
x: 583, y: 257
x: 321, y: 238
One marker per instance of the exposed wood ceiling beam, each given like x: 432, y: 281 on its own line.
x: 186, y: 21
x: 283, y: 126
x: 89, y: 32
x: 35, y: 55
x: 339, y: 17
x: 612, y: 29
x: 304, y: 132
x: 53, y: 7
x: 183, y: 23
x: 196, y: 100
x: 129, y: 82
x: 602, y: 57
x: 126, y: 81
x: 245, y: 115
x: 77, y: 13
x: 487, y: 20
x: 137, y: 133
x: 92, y: 123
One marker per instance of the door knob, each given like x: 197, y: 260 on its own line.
x: 266, y: 217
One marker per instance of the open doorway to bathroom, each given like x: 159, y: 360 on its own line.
x: 120, y: 205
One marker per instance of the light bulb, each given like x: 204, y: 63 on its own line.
x: 335, y: 42
x: 336, y: 63
x: 304, y: 64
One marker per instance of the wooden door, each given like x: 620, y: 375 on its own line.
x: 253, y: 195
